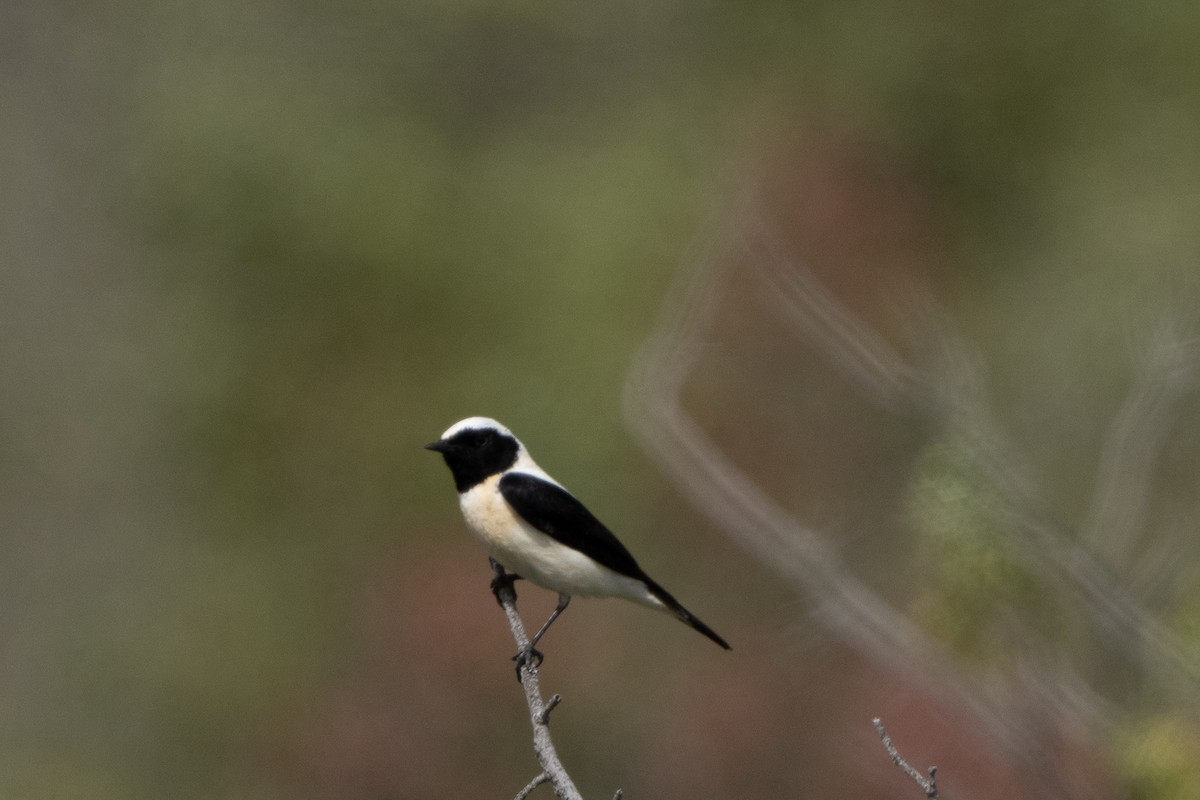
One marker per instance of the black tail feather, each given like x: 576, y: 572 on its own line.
x: 683, y: 614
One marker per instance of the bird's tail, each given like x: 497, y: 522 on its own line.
x: 677, y: 610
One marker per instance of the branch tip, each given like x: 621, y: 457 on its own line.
x: 928, y: 785
x: 554, y: 700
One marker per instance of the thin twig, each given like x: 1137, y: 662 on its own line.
x: 539, y: 711
x: 533, y: 784
x: 554, y: 700
x: 928, y: 785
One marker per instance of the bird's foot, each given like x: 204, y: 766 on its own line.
x: 503, y: 580
x: 527, y: 656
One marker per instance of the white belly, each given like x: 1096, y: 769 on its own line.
x: 533, y: 555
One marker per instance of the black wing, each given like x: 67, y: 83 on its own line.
x: 555, y: 512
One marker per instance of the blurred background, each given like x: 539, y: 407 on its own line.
x: 872, y: 331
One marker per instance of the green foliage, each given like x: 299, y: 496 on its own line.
x: 974, y: 595
x: 1156, y: 758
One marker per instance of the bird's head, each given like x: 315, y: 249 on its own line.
x: 475, y: 449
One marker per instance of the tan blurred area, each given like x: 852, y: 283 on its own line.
x: 871, y: 331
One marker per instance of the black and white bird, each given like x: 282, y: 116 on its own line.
x: 537, y: 529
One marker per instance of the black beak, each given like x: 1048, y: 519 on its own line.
x: 440, y: 446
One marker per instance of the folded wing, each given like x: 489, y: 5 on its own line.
x: 555, y: 512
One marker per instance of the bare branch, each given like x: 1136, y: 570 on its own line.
x: 928, y: 785
x: 539, y: 710
x: 533, y: 784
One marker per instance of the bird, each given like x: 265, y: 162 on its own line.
x: 537, y: 530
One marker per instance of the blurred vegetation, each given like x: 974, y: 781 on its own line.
x: 976, y: 596
x: 257, y: 254
x: 1157, y: 758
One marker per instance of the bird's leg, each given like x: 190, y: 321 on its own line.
x: 502, y: 580
x: 563, y: 600
x: 531, y: 653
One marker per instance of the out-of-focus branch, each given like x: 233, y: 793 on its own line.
x: 553, y: 771
x: 1169, y: 372
x: 928, y: 785
x: 810, y: 308
x: 947, y: 388
x: 715, y: 485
